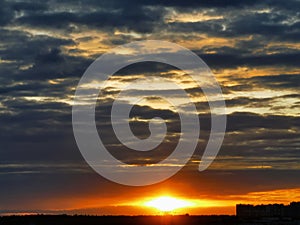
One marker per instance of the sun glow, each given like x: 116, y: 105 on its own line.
x: 168, y: 204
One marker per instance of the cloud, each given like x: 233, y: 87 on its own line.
x: 47, y: 46
x: 234, y: 61
x: 139, y: 19
x: 284, y: 81
x: 6, y: 14
x: 193, y: 4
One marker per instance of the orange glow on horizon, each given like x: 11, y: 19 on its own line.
x: 161, y: 203
x: 168, y: 204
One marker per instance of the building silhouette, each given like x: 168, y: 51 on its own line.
x: 272, y: 210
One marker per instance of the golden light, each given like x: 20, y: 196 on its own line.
x: 168, y: 204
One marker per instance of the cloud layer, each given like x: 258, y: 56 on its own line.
x: 251, y: 46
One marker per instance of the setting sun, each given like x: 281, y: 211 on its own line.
x: 168, y: 204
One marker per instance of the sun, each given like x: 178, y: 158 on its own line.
x: 168, y: 204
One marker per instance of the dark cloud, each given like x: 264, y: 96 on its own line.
x: 244, y: 121
x: 233, y: 61
x: 267, y: 21
x: 284, y: 81
x: 25, y: 47
x: 115, y: 4
x: 192, y: 3
x: 50, y: 56
x: 41, y: 55
x: 140, y: 128
x: 9, y: 10
x: 6, y: 14
x: 250, y: 102
x: 140, y: 19
x: 29, y: 6
x: 148, y: 68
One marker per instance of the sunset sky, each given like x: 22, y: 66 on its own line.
x: 252, y: 48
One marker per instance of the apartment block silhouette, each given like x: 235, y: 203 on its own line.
x: 272, y: 210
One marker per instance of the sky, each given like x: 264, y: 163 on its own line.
x: 251, y: 46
